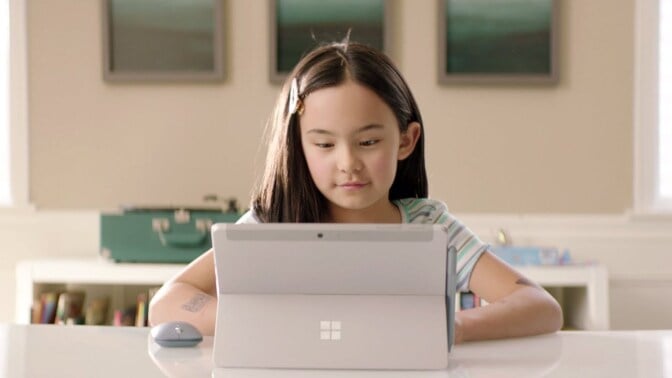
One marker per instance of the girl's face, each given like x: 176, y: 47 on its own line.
x: 352, y: 143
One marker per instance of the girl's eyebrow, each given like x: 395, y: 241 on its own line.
x: 373, y: 126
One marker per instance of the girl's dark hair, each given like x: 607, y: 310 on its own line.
x: 287, y: 192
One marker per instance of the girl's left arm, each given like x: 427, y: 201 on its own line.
x: 517, y: 306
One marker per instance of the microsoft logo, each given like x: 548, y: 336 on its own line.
x: 330, y: 330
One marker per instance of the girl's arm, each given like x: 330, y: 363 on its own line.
x: 517, y: 306
x: 190, y: 296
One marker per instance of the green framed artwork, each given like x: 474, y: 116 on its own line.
x: 162, y: 40
x: 498, y: 41
x: 297, y: 26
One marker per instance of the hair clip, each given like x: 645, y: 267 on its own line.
x: 295, y: 102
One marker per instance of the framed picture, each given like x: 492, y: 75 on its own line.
x: 298, y: 26
x: 162, y: 40
x: 498, y: 41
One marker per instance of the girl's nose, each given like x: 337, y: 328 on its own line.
x: 348, y: 161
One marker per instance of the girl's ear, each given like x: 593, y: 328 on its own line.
x: 408, y: 140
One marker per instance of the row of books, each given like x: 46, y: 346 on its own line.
x: 466, y: 300
x: 135, y: 315
x: 54, y: 307
x: 68, y: 308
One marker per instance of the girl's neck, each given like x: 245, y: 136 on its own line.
x: 385, y: 212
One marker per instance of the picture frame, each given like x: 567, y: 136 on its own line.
x: 500, y: 42
x: 297, y: 26
x: 162, y: 40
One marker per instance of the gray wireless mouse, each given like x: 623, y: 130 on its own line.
x: 176, y: 334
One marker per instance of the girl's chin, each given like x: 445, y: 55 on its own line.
x: 353, y: 204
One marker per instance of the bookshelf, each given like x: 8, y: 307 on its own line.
x: 582, y: 290
x: 120, y: 283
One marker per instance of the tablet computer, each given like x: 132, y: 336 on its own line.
x: 341, y: 296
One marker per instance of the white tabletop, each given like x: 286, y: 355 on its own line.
x: 84, y: 351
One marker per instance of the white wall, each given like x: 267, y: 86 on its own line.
x: 512, y: 149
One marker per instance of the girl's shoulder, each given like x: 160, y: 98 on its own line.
x: 422, y: 210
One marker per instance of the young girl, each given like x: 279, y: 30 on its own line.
x: 347, y: 145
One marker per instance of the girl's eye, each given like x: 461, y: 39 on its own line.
x: 324, y: 145
x: 369, y: 142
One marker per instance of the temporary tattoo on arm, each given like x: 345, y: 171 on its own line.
x: 525, y: 282
x: 196, y: 303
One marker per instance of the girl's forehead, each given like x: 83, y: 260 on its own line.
x: 345, y: 106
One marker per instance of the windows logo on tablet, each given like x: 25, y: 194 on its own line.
x: 330, y: 330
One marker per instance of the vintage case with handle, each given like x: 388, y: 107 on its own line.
x: 159, y: 235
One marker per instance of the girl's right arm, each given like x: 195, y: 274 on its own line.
x: 190, y: 296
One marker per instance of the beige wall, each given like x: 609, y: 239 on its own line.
x: 498, y: 149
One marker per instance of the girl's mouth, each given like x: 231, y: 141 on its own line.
x: 353, y: 185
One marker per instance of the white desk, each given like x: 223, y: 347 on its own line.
x: 83, y: 351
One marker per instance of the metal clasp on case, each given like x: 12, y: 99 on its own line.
x: 182, y: 216
x: 160, y: 225
x: 203, y: 225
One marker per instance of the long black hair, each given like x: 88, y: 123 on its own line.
x: 287, y: 192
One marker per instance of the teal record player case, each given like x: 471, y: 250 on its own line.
x: 159, y: 235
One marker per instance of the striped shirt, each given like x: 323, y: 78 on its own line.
x: 468, y: 246
x: 427, y: 211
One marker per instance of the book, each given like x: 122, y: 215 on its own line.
x: 124, y: 317
x: 458, y: 298
x: 36, y: 311
x: 467, y: 300
x: 70, y: 308
x: 48, y: 303
x: 477, y: 300
x: 142, y: 309
x: 96, y: 311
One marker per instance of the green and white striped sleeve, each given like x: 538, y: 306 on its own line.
x: 468, y: 246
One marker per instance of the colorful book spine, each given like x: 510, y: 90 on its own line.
x: 70, y: 309
x: 48, y: 302
x: 36, y: 311
x: 142, y: 307
x: 468, y: 300
x: 96, y: 311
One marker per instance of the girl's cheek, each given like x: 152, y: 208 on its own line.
x: 383, y: 163
x: 318, y: 163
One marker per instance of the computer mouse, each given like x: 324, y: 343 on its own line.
x: 176, y: 334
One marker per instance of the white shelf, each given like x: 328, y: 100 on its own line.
x: 568, y: 275
x: 97, y: 271
x: 583, y: 289
x: 95, y: 276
